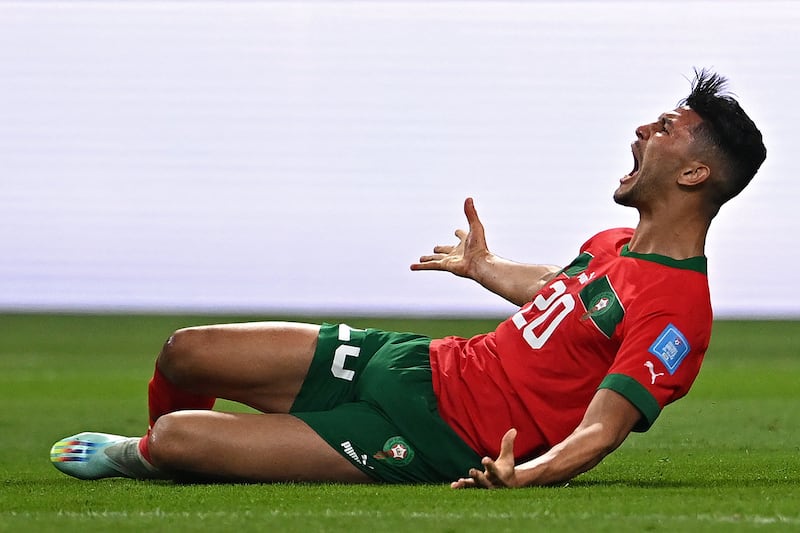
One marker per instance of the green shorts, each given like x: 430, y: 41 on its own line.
x: 368, y: 393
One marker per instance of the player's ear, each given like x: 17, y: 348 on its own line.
x: 694, y: 174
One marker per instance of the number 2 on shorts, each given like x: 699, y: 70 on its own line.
x: 342, y: 353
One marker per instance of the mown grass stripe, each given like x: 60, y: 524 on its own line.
x: 379, y: 514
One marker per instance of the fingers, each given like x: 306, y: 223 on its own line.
x: 443, y: 249
x: 452, y: 257
x: 476, y: 479
x: 469, y: 208
x: 472, y: 214
x: 426, y: 263
x: 507, y: 445
x: 491, y: 473
x: 440, y: 252
x: 463, y: 483
x: 477, y: 236
x: 430, y: 262
x: 496, y: 473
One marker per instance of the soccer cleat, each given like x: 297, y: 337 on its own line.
x: 97, y: 456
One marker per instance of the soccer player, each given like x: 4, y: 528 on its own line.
x: 596, y: 350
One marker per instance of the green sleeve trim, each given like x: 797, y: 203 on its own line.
x: 698, y: 264
x: 635, y: 393
x: 578, y: 265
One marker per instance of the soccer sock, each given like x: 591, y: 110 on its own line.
x: 166, y: 397
x: 163, y: 396
x: 144, y: 448
x: 127, y: 459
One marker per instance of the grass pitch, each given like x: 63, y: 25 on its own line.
x: 727, y: 457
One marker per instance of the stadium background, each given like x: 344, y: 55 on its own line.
x: 295, y: 157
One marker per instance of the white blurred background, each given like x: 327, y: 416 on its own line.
x: 296, y: 157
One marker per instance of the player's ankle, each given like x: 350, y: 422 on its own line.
x: 130, y: 460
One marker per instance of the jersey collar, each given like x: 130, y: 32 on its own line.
x: 697, y: 264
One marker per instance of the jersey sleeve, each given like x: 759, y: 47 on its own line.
x: 664, y: 340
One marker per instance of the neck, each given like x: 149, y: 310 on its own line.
x: 675, y: 235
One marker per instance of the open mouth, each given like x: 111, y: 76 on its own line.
x: 635, y: 170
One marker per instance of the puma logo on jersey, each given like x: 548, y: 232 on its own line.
x: 653, y: 373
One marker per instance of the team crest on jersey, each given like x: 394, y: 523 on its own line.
x: 397, y: 451
x: 602, y: 305
x: 671, y: 347
x: 599, y: 304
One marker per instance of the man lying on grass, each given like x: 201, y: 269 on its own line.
x: 596, y: 350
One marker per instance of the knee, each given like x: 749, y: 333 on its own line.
x: 168, y: 441
x: 181, y: 355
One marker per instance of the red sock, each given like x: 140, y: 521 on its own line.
x: 144, y: 447
x: 166, y: 397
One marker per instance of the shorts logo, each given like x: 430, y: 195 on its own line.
x: 351, y: 452
x: 397, y: 451
x: 671, y: 347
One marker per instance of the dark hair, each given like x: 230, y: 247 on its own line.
x: 727, y: 130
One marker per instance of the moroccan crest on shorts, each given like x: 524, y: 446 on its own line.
x: 396, y: 451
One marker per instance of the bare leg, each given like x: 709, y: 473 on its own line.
x: 247, y: 447
x: 260, y: 364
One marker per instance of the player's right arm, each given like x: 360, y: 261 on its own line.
x: 471, y: 258
x: 608, y: 421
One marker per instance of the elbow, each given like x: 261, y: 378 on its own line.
x: 542, y: 282
x: 606, y: 448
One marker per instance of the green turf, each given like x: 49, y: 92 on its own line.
x: 725, y: 458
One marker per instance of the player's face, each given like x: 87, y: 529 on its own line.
x: 660, y: 152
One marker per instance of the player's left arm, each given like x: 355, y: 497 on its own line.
x: 609, y: 419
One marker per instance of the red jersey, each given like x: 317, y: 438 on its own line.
x: 638, y: 324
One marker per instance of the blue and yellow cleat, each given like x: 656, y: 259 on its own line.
x: 84, y: 456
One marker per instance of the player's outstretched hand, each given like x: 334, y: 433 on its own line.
x: 465, y: 258
x: 497, y: 473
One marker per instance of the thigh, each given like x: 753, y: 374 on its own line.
x: 260, y: 364
x: 247, y: 447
